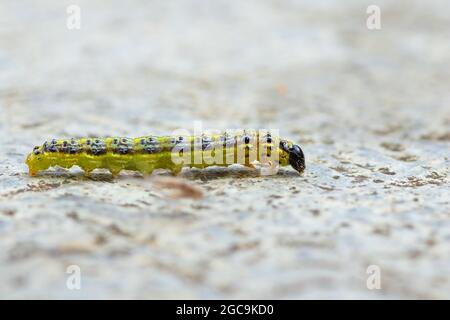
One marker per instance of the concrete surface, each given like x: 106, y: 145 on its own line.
x: 370, y: 108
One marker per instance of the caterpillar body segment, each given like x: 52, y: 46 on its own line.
x: 145, y: 154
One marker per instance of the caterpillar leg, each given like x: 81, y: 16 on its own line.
x: 252, y: 165
x: 146, y: 172
x: 269, y: 168
x: 87, y: 167
x: 32, y: 173
x: 176, y: 170
x: 115, y: 172
x: 145, y: 168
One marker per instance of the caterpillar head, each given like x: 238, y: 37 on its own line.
x: 296, y: 157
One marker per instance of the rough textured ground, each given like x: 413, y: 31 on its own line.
x: 370, y: 108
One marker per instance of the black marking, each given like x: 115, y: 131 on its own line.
x: 74, y: 147
x: 123, y: 149
x: 284, y: 145
x: 151, y: 145
x: 98, y: 147
x: 206, y: 143
x: 267, y: 138
x: 228, y: 140
x: 122, y: 146
x: 246, y: 138
x: 151, y: 148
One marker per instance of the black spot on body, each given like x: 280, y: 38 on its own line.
x: 151, y: 148
x: 98, y: 151
x: 123, y: 149
x: 228, y: 140
x: 206, y: 143
x: 97, y: 147
x: 74, y: 148
x: 122, y: 146
x: 151, y: 145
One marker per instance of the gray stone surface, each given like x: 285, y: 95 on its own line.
x: 370, y: 108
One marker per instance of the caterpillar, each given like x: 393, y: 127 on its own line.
x: 145, y: 154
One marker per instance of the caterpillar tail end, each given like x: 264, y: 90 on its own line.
x: 31, y: 171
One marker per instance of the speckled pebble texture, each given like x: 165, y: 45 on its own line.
x: 371, y: 110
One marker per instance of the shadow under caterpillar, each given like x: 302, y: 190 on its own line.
x: 145, y: 154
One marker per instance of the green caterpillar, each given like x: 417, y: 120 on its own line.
x: 145, y: 154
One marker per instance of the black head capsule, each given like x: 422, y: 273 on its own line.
x: 296, y: 156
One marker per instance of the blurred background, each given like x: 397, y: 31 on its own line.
x: 370, y: 108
